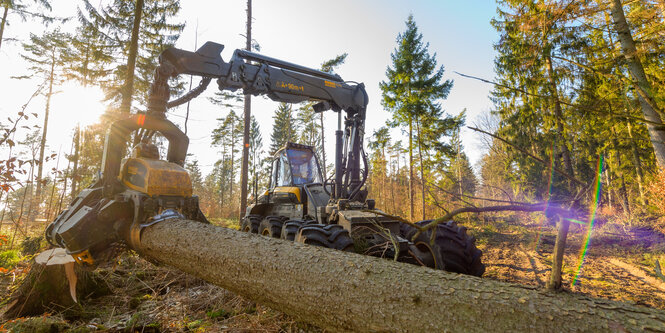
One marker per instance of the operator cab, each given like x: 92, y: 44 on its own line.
x: 296, y: 185
x: 295, y: 165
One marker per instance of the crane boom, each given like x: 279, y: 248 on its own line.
x: 281, y: 81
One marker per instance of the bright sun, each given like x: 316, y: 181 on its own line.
x: 82, y: 105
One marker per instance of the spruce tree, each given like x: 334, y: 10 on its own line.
x: 284, y: 128
x: 195, y: 175
x: 255, y: 151
x: 25, y: 10
x: 412, y: 92
x: 133, y: 33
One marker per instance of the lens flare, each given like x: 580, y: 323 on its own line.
x: 550, y: 186
x: 592, y: 217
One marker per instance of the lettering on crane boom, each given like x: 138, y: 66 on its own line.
x: 332, y: 84
x: 290, y: 86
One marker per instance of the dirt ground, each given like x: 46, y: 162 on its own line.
x: 619, y: 265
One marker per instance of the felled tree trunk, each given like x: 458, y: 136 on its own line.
x: 53, y: 283
x: 343, y: 291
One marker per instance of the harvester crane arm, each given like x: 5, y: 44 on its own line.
x: 281, y: 81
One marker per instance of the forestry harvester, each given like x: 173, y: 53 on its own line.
x: 300, y: 204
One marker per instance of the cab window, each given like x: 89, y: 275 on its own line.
x: 283, y: 172
x: 304, y: 167
x: 275, y: 171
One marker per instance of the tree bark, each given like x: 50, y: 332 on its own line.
x: 342, y: 291
x: 554, y: 282
x: 422, y: 170
x: 411, y: 212
x: 247, y: 121
x: 3, y: 22
x: 77, y: 148
x: 637, y: 162
x: 128, y: 89
x: 42, y: 147
x: 558, y: 114
x: 651, y: 113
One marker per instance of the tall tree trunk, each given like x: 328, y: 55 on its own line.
x: 340, y: 291
x: 636, y: 162
x: 3, y: 22
x: 128, y: 89
x: 558, y: 114
x: 554, y: 282
x: 411, y: 212
x: 77, y: 148
x: 422, y: 169
x: 651, y: 113
x: 53, y: 187
x: 42, y: 146
x: 247, y: 122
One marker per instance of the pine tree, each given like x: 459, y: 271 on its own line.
x: 255, y: 151
x: 379, y: 141
x: 228, y: 137
x: 195, y: 175
x: 310, y: 133
x: 133, y: 33
x: 284, y: 128
x: 412, y: 92
x: 44, y: 54
x: 24, y: 11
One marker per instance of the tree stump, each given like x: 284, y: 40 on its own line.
x: 52, y: 284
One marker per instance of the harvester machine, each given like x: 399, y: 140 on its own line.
x: 301, y: 204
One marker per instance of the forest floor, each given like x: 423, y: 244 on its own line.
x: 620, y: 264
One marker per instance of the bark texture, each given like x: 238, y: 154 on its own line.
x: 128, y: 89
x: 343, y: 291
x: 642, y: 84
x: 246, y: 124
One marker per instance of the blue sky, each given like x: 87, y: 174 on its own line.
x: 303, y: 32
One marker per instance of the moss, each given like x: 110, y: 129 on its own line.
x: 9, y: 259
x: 36, y: 325
x: 219, y: 314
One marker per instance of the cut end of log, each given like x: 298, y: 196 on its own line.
x: 56, y: 256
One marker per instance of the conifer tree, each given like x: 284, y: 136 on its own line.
x: 255, y: 151
x: 24, y: 10
x: 133, y: 33
x: 412, y: 92
x: 195, y: 175
x: 284, y: 127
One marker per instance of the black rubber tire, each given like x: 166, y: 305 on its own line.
x: 251, y: 223
x: 332, y: 236
x: 453, y: 250
x: 290, y: 229
x: 271, y: 226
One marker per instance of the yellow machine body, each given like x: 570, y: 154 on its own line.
x: 287, y: 190
x: 156, y: 177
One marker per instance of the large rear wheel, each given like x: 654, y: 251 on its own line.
x: 453, y: 249
x: 331, y: 236
x: 250, y: 223
x: 271, y: 226
x: 290, y: 228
